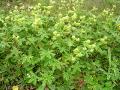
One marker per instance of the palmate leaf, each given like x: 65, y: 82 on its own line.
x: 31, y: 78
x: 55, y: 64
x: 89, y: 79
x: 47, y: 77
x: 46, y: 54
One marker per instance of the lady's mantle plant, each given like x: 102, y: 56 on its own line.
x: 59, y: 50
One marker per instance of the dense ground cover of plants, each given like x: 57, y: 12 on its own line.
x: 59, y: 46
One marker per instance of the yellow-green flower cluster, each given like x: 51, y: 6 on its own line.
x: 88, y: 46
x: 75, y: 38
x: 64, y: 19
x: 76, y: 24
x: 52, y: 2
x: 104, y: 39
x: 77, y: 52
x: 67, y: 27
x: 16, y: 38
x: 118, y: 26
x: 55, y: 35
x: 74, y: 16
x: 37, y: 22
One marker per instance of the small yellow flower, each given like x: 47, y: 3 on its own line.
x: 94, y: 9
x: 59, y: 15
x: 87, y: 41
x: 28, y: 75
x: 22, y: 7
x: 49, y: 7
x: 118, y: 26
x: 37, y: 22
x: 55, y: 32
x: 15, y: 88
x: 82, y: 17
x: 94, y: 20
x: 106, y: 11
x: 52, y: 2
x: 67, y: 27
x: 76, y: 24
x: 91, y: 50
x: 65, y: 19
x: 70, y: 12
x: 84, y: 48
x: 93, y: 45
x: 39, y: 4
x: 102, y: 39
x: 74, y: 16
x: 77, y: 39
x: 114, y: 6
x: 105, y: 37
x: 16, y: 7
x: 58, y: 35
x: 7, y: 18
x: 79, y: 54
x: 73, y: 37
x: 73, y: 58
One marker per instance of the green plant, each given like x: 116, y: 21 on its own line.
x: 56, y: 49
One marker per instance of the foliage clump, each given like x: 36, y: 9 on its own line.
x: 60, y: 49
